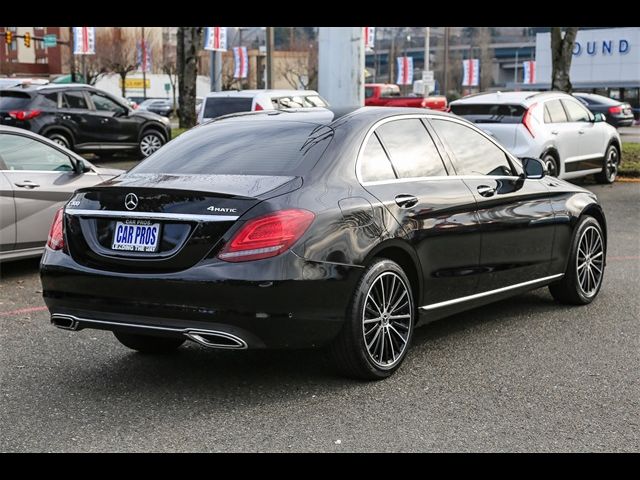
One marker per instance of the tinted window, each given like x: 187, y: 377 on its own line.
x: 374, y: 163
x: 556, y: 112
x: 390, y: 92
x: 490, y: 113
x: 104, y: 104
x: 21, y: 153
x: 474, y: 154
x: 49, y: 100
x: 255, y: 147
x: 74, y: 100
x: 217, y: 106
x: 14, y: 100
x: 315, y: 101
x: 411, y: 149
x: 368, y: 92
x: 577, y: 113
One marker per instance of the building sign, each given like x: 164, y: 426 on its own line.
x: 471, y: 72
x: 84, y: 40
x: 215, y: 38
x: 529, y: 69
x: 134, y: 83
x: 601, y: 58
x: 405, y: 70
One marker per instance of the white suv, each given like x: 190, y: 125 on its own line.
x: 552, y: 126
x: 217, y: 104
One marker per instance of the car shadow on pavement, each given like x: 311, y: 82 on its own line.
x: 18, y: 268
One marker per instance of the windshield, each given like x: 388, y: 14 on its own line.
x: 234, y: 147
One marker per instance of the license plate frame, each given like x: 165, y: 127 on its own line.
x: 136, y: 241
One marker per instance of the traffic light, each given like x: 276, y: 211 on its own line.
x: 8, y: 37
x: 27, y: 39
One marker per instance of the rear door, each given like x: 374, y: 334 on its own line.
x: 42, y: 179
x: 515, y: 215
x: 564, y: 135
x: 75, y: 115
x: 401, y: 166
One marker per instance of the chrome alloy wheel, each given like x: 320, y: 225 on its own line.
x: 149, y: 144
x: 590, y: 261
x: 386, y: 320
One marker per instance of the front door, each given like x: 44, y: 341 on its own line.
x: 42, y: 179
x: 402, y: 168
x: 515, y: 215
x: 112, y: 123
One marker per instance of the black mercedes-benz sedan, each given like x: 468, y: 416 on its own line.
x: 312, y: 229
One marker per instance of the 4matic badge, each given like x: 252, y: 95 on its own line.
x: 222, y: 210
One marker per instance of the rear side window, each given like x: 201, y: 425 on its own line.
x: 412, y: 151
x: 74, y: 100
x: 233, y: 147
x: 218, y: 106
x: 577, y: 113
x: 490, y: 113
x: 49, y: 100
x: 14, y: 100
x: 554, y: 112
x: 474, y: 154
x: 368, y: 92
x: 374, y: 163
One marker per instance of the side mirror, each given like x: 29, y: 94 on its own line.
x: 534, y: 168
x: 599, y: 117
x: 81, y: 167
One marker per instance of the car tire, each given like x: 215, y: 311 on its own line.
x: 150, y: 142
x: 551, y: 164
x: 359, y: 350
x: 611, y: 163
x: 60, y: 139
x: 585, y: 269
x: 148, y: 343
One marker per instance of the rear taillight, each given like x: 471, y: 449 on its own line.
x: 258, y: 107
x: 526, y: 119
x: 56, y: 234
x: 615, y: 110
x: 24, y: 114
x: 267, y: 236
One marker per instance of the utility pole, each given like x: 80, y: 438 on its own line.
x: 143, y: 52
x: 427, y: 32
x: 446, y: 61
x: 392, y: 51
x: 72, y: 58
x: 269, y: 57
x: 515, y: 70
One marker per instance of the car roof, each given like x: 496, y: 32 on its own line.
x: 252, y: 93
x: 523, y: 98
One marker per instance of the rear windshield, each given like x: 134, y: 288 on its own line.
x: 218, y: 106
x: 485, y: 113
x: 14, y: 100
x: 232, y: 147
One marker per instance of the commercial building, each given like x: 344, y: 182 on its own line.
x: 35, y: 60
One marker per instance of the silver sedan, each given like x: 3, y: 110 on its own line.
x: 37, y: 177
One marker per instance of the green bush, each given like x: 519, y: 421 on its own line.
x: 630, y: 165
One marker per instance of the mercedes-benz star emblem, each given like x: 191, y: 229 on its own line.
x: 131, y: 201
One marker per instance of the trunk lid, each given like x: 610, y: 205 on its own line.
x: 188, y: 213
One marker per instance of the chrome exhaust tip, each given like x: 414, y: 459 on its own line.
x: 65, y: 322
x: 213, y: 339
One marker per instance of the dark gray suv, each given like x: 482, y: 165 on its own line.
x: 83, y: 119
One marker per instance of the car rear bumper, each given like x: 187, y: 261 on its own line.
x: 282, y: 302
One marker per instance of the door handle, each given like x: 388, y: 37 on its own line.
x: 104, y: 120
x: 66, y: 117
x: 554, y: 132
x: 406, y: 201
x: 486, y: 190
x: 26, y: 184
x: 581, y: 132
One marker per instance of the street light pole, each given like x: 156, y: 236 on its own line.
x: 143, y: 52
x: 269, y: 57
x: 73, y: 57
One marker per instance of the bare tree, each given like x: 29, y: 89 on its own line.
x: 98, y: 65
x: 561, y: 55
x: 121, y: 54
x: 189, y: 43
x: 299, y: 66
x: 170, y: 68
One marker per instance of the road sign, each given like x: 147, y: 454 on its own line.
x: 167, y: 87
x: 50, y: 40
x: 427, y: 76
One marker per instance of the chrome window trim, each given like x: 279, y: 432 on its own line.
x: 151, y: 215
x: 475, y: 296
x: 443, y: 177
x: 427, y: 116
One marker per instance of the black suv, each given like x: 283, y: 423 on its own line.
x: 83, y: 119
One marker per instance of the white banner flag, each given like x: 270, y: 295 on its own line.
x: 84, y: 40
x: 405, y: 70
x: 529, y: 72
x: 241, y: 62
x: 215, y: 38
x: 369, y: 37
x: 471, y: 74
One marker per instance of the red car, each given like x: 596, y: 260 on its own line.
x: 388, y: 95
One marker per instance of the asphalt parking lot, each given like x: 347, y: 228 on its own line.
x: 525, y: 374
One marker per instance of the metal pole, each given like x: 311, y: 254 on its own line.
x: 427, y: 32
x: 446, y: 61
x: 84, y: 69
x: 143, y: 51
x: 72, y: 60
x: 515, y: 71
x: 391, y: 59
x: 269, y: 57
